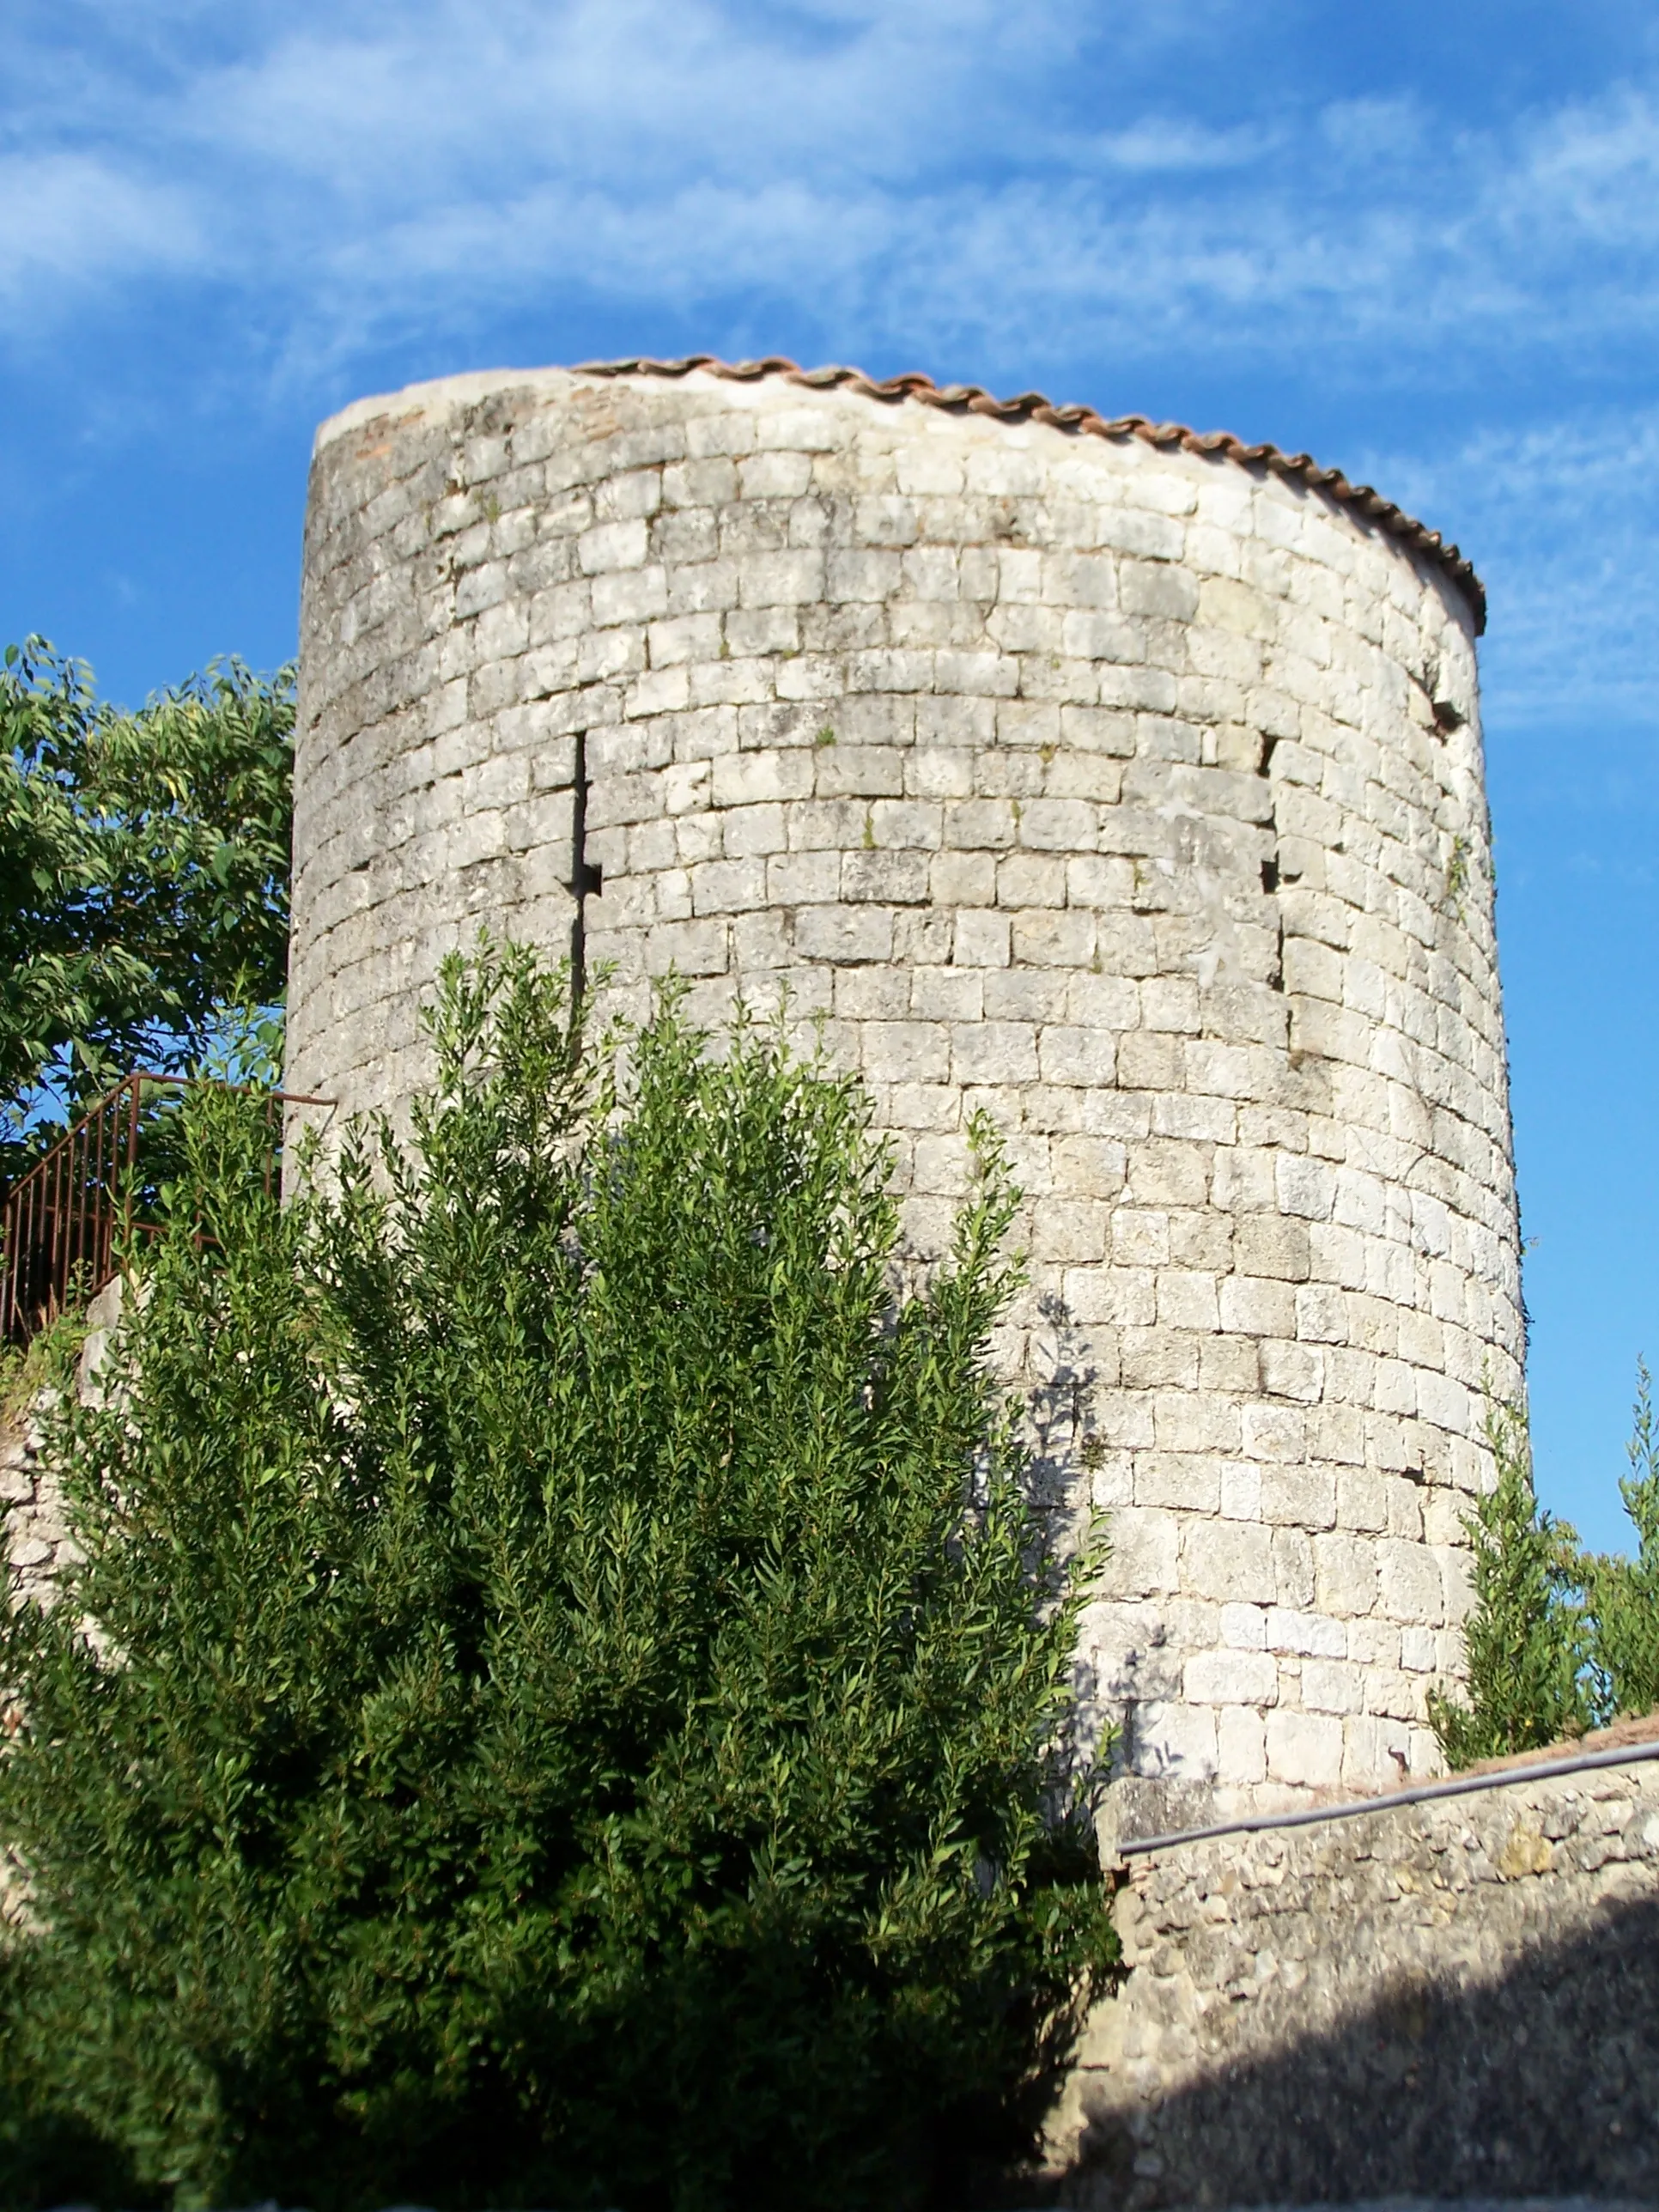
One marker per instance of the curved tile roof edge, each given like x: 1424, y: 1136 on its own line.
x: 1085, y: 421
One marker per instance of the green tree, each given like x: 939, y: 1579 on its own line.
x: 576, y: 1709
x: 1624, y: 1593
x: 144, y: 876
x: 1527, y: 1636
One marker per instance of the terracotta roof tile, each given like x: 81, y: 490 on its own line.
x: 1033, y: 407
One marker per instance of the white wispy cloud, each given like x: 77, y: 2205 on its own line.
x: 915, y: 182
x: 1560, y: 518
x: 889, y: 170
x: 1172, y: 142
x: 72, y: 221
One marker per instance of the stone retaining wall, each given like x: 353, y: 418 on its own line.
x: 1457, y: 1998
x: 35, y: 1545
x: 34, y: 1538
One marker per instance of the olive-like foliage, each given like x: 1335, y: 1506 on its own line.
x: 567, y: 1698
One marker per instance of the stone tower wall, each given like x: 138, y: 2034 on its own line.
x: 1131, y: 792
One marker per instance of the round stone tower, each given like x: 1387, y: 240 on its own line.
x: 1124, y: 782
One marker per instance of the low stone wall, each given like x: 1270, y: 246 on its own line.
x: 35, y: 1545
x: 1452, y: 1999
x: 34, y: 1534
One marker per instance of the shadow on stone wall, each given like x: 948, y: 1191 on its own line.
x: 1543, y: 2083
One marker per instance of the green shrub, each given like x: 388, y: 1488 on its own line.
x: 576, y: 1712
x: 1624, y: 1593
x: 1527, y: 1636
x: 49, y: 2155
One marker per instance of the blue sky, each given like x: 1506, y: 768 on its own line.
x: 1420, y: 241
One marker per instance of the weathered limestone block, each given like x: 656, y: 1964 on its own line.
x: 1130, y: 791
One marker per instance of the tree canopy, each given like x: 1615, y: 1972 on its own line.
x: 144, y: 864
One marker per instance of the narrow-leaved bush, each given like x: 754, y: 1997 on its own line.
x: 1624, y: 1592
x: 1528, y: 1638
x: 566, y: 1699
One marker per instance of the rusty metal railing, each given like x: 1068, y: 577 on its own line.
x: 62, y: 1220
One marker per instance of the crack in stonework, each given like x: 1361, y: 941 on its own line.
x: 1271, y: 876
x: 586, y: 877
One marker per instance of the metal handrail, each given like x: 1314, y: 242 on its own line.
x: 60, y: 1220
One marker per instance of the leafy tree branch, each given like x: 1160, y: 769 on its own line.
x: 144, y: 865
